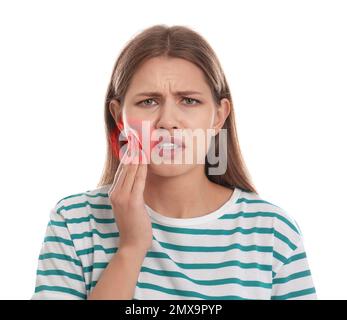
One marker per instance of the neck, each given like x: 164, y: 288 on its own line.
x: 183, y: 196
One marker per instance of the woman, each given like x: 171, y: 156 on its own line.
x: 173, y: 229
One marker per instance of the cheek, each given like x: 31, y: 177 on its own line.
x: 143, y: 130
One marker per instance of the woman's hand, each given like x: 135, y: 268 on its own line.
x: 126, y: 196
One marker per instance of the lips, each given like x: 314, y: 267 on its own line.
x: 171, y: 139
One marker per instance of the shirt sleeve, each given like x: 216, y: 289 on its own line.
x: 59, y: 273
x: 292, y: 279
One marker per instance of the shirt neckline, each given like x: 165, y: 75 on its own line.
x: 196, y: 220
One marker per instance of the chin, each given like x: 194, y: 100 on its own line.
x: 169, y: 170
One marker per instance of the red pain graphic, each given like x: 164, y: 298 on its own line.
x: 114, y: 136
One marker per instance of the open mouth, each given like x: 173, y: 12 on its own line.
x: 170, y: 143
x: 169, y: 147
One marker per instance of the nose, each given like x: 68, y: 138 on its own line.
x: 168, y: 119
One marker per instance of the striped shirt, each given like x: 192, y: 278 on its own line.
x: 249, y: 248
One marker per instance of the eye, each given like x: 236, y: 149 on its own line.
x: 191, y: 99
x: 143, y: 102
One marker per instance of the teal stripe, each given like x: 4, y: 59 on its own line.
x: 89, y: 234
x: 90, y: 217
x: 197, y: 266
x: 97, y: 265
x: 58, y: 239
x: 83, y: 205
x: 232, y: 263
x: 187, y: 248
x: 57, y: 223
x: 201, y: 282
x: 293, y: 276
x: 215, y: 232
x: 219, y: 232
x: 60, y: 257
x: 216, y: 249
x: 264, y: 267
x: 61, y: 289
x: 292, y: 259
x: 245, y: 200
x: 294, y: 294
x: 104, y: 195
x: 185, y: 293
x: 297, y: 257
x: 282, y: 237
x: 96, y: 248
x: 279, y: 257
x: 56, y: 272
x: 260, y: 214
x: 161, y: 255
x: 285, y: 260
x: 80, y: 220
x: 91, y: 285
x: 175, y: 274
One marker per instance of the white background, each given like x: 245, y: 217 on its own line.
x: 285, y: 62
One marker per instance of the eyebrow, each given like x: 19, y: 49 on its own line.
x: 158, y: 94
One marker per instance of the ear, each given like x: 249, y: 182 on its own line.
x: 223, y: 110
x: 116, y: 112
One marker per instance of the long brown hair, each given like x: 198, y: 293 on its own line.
x: 179, y: 42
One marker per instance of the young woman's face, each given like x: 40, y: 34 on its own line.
x: 169, y: 113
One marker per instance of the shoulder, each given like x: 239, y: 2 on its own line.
x: 84, y: 202
x: 282, y: 221
x: 286, y: 234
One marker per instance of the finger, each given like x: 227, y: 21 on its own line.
x: 126, y: 164
x: 132, y: 168
x: 140, y: 177
x: 134, y: 148
x: 120, y: 170
x: 115, y: 184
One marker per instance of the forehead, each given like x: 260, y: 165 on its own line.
x: 160, y: 73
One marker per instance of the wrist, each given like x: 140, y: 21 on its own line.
x: 129, y: 251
